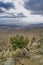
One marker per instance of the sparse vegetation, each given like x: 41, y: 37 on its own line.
x: 19, y: 42
x: 19, y: 51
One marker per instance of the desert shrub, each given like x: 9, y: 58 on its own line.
x: 2, y: 63
x: 19, y: 42
x: 33, y: 40
x: 38, y: 46
x: 40, y: 41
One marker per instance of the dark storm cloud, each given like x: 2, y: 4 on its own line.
x: 36, y: 6
x: 7, y: 5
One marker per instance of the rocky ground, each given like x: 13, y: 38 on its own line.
x: 31, y: 55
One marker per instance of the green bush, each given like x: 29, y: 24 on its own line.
x: 19, y: 42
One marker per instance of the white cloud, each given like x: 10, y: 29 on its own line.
x: 33, y: 19
x: 6, y: 0
x: 18, y: 7
x: 30, y: 18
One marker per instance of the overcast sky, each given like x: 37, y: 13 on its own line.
x: 21, y: 12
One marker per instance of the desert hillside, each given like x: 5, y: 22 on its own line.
x: 31, y: 54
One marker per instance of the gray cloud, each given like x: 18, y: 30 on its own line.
x: 1, y: 11
x: 36, y: 6
x: 19, y: 15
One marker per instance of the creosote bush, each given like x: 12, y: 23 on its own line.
x: 19, y: 42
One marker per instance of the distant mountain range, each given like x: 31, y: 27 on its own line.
x: 4, y: 26
x: 36, y: 25
x: 32, y: 27
x: 18, y: 28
